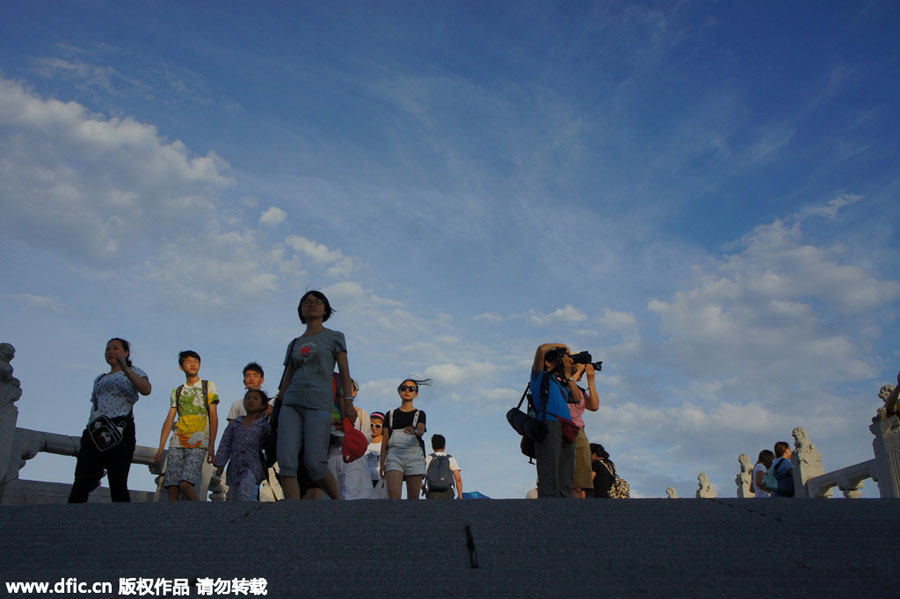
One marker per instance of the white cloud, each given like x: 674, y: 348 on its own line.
x: 41, y: 302
x: 831, y: 209
x: 569, y: 314
x: 455, y: 374
x: 95, y: 186
x: 272, y: 216
x: 99, y: 76
x: 216, y: 271
x: 618, y: 320
x: 334, y: 259
x: 770, y: 305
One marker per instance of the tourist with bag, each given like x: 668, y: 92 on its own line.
x: 551, y: 387
x: 195, y: 403
x: 442, y: 472
x: 780, y: 477
x: 402, y: 448
x: 108, y: 441
x: 607, y: 483
x: 305, y: 417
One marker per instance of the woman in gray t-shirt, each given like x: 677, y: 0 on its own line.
x: 306, y: 415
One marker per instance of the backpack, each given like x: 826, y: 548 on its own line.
x: 439, y: 476
x: 619, y: 489
x: 769, y: 480
x: 784, y: 486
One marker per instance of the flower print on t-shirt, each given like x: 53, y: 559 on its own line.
x: 307, y: 351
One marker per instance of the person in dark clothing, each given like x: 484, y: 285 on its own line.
x: 603, y: 471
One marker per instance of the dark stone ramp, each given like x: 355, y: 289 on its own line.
x: 644, y: 547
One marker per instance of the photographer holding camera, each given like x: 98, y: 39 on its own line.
x: 551, y: 389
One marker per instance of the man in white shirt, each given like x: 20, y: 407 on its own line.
x: 435, y: 482
x: 253, y: 380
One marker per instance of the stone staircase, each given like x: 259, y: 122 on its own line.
x: 505, y: 548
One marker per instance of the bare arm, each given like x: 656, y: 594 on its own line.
x: 141, y: 383
x: 385, y: 435
x: 213, y: 429
x: 592, y: 401
x: 538, y: 364
x: 347, y: 385
x: 166, y: 430
x: 459, y: 487
x: 286, y: 375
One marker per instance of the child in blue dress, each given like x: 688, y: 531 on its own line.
x: 240, y: 446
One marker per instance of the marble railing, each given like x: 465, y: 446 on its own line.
x: 18, y: 445
x: 27, y: 444
x: 811, y: 480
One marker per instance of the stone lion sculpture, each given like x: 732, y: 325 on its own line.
x: 805, y: 450
x: 706, y: 490
x: 883, y: 393
x: 10, y: 388
x: 742, y: 480
x: 801, y: 439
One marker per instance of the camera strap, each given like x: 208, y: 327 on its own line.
x: 545, y: 394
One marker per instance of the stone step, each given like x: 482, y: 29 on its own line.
x: 543, y: 548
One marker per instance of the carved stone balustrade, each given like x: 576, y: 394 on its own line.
x: 887, y: 454
x: 850, y: 480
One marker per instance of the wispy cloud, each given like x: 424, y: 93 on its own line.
x: 39, y: 302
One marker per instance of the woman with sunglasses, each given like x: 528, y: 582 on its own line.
x: 402, y: 451
x: 306, y: 413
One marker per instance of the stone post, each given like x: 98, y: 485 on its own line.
x: 742, y: 480
x: 706, y: 489
x: 807, y: 462
x: 887, y: 454
x: 10, y: 392
x: 217, y: 486
x: 671, y: 493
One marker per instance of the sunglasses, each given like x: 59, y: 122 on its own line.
x: 407, y: 388
x: 377, y: 425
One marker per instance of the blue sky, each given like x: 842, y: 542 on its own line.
x: 698, y: 193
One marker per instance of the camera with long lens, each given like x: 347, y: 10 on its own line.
x: 556, y: 355
x: 585, y: 358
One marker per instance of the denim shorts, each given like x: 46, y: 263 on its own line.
x: 408, y: 460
